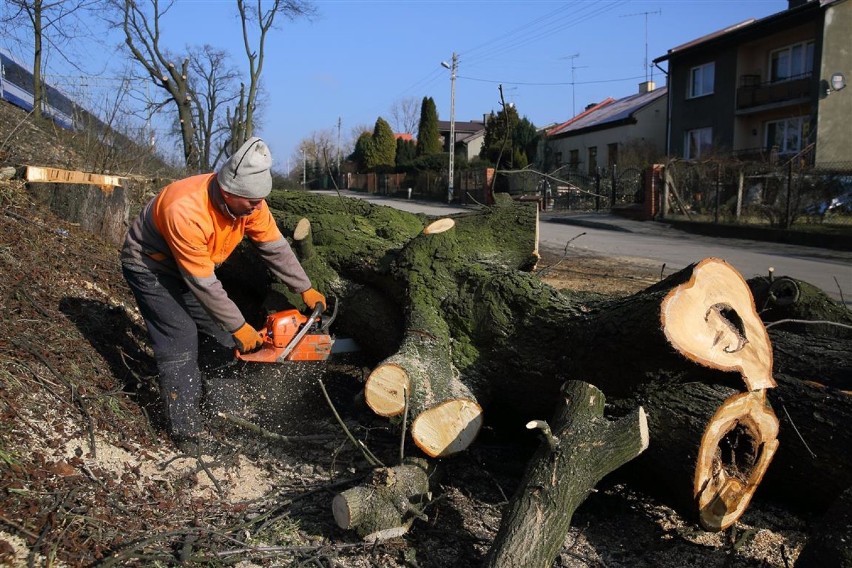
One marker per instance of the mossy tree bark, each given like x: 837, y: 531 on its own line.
x: 455, y: 315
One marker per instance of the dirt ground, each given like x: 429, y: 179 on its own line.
x: 89, y: 479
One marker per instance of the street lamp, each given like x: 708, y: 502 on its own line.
x: 453, y: 68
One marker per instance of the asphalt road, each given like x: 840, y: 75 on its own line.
x: 670, y: 248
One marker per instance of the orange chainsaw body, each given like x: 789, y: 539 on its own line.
x: 281, y: 328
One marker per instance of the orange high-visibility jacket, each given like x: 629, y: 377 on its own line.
x: 188, y: 230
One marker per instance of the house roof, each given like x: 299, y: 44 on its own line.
x: 608, y: 113
x: 461, y: 127
x: 790, y: 16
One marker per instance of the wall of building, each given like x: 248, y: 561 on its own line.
x: 650, y: 126
x: 834, y: 119
x: 714, y: 111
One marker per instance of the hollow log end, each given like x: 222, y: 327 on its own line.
x: 711, y: 319
x: 439, y: 226
x: 736, y: 449
x: 385, y: 389
x: 302, y: 230
x: 447, y: 428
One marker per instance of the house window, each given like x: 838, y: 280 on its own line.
x: 701, y: 80
x: 574, y: 161
x: 593, y: 160
x: 612, y: 155
x: 789, y: 135
x: 697, y: 142
x: 557, y: 159
x: 792, y: 62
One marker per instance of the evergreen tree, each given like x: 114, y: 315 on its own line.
x: 406, y: 151
x: 509, y: 139
x: 428, y: 137
x: 381, y: 153
x: 526, y: 139
x: 362, y: 149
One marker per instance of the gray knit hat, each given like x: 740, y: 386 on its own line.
x: 247, y: 172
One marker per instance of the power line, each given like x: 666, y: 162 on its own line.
x: 557, y: 84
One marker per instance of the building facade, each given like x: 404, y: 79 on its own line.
x: 600, y: 136
x: 761, y: 89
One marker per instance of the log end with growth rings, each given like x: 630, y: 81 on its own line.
x: 302, y: 230
x: 439, y: 226
x: 385, y: 389
x: 447, y: 428
x: 736, y: 449
x: 712, y: 320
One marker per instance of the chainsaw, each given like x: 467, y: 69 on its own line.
x: 290, y: 335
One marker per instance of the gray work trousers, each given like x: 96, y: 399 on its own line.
x: 174, y: 319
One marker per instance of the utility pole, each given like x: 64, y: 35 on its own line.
x: 453, y: 68
x: 646, y: 14
x: 304, y: 170
x: 338, y: 145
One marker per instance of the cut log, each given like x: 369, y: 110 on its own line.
x: 712, y: 320
x: 703, y: 314
x: 738, y: 444
x: 581, y: 448
x: 303, y: 239
x: 389, y: 504
x: 421, y: 375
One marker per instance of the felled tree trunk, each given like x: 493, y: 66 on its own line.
x: 456, y: 315
x: 580, y: 448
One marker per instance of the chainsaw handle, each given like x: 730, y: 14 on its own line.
x: 319, y: 308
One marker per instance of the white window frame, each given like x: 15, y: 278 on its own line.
x: 792, y: 134
x: 799, y: 62
x: 702, y: 80
x: 701, y: 139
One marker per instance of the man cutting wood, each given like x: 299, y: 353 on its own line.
x: 169, y: 259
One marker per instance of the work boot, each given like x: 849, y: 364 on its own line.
x: 198, y: 445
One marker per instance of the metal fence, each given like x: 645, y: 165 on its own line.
x: 781, y: 196
x: 573, y: 191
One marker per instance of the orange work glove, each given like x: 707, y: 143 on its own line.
x: 247, y: 338
x: 311, y: 298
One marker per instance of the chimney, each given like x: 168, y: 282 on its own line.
x: 647, y: 87
x: 796, y: 3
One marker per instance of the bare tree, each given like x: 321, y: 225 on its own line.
x: 405, y: 115
x: 55, y: 23
x: 263, y: 17
x: 213, y: 87
x: 142, y: 36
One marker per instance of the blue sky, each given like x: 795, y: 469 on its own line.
x: 357, y: 57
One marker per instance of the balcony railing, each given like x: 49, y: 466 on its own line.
x: 752, y: 93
